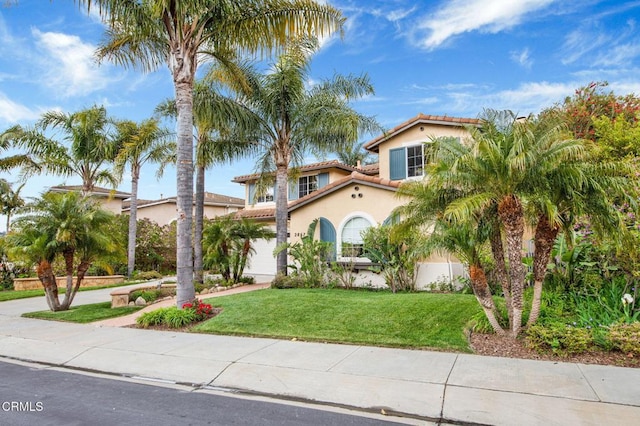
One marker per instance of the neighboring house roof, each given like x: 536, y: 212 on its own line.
x: 97, y: 191
x: 421, y: 118
x: 210, y: 199
x: 257, y: 214
x: 370, y: 169
x: 332, y: 164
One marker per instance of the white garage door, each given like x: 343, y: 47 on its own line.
x: 262, y: 261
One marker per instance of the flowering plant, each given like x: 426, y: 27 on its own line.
x: 202, y: 310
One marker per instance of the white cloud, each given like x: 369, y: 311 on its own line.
x: 13, y: 112
x: 68, y: 64
x: 462, y: 16
x: 617, y: 56
x: 522, y: 58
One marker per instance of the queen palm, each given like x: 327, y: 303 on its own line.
x: 10, y: 200
x: 84, y: 151
x: 67, y: 225
x: 139, y: 144
x: 292, y: 120
x: 212, y: 115
x: 155, y: 32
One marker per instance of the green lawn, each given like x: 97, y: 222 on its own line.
x: 84, y: 313
x: 22, y: 294
x: 362, y: 317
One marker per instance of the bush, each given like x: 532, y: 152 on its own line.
x: 561, y: 339
x: 625, y: 337
x: 155, y: 317
x: 148, y: 275
x: 288, y: 281
x: 178, y: 318
x: 147, y: 295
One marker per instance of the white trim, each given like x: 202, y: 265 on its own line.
x: 340, y: 228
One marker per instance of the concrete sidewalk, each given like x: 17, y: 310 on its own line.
x: 432, y: 386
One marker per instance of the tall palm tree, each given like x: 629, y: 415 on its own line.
x: 84, y: 151
x: 7, y: 138
x: 69, y: 225
x: 139, y: 144
x: 213, y: 114
x: 10, y: 200
x: 151, y: 33
x: 291, y: 121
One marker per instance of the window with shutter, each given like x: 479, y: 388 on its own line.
x: 398, y: 164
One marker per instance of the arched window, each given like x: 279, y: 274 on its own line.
x: 351, y: 243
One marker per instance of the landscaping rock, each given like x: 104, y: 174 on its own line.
x: 140, y: 301
x: 132, y: 303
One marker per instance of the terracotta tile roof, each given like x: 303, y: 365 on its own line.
x: 370, y: 169
x: 306, y: 168
x: 354, y: 177
x: 256, y: 214
x: 96, y: 191
x: 209, y: 199
x: 444, y: 120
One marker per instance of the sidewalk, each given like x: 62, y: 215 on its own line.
x: 433, y: 386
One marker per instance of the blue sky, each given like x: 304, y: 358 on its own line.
x: 452, y: 57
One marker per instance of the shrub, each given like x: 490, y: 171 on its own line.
x: 178, y: 318
x: 625, y: 337
x: 561, y: 339
x: 148, y: 275
x: 155, y: 317
x: 288, y: 281
x: 147, y: 295
x: 201, y: 310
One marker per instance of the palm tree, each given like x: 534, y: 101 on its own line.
x: 291, y: 121
x: 139, y: 144
x: 508, y: 162
x: 18, y: 160
x: 247, y: 232
x: 151, y: 33
x: 212, y: 115
x: 578, y: 187
x: 353, y: 155
x: 10, y: 200
x: 86, y: 149
x: 69, y: 225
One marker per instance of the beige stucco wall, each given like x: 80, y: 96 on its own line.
x: 164, y: 214
x: 415, y: 136
x: 376, y: 204
x: 113, y: 205
x: 334, y: 175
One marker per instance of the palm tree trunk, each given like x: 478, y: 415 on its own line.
x: 198, y: 267
x: 133, y: 222
x: 281, y: 216
x: 545, y: 236
x: 483, y: 295
x: 48, y: 280
x: 501, y: 269
x: 512, y: 216
x: 185, y: 291
x: 68, y: 256
x: 83, y: 267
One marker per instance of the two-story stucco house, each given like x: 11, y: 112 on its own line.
x: 348, y: 200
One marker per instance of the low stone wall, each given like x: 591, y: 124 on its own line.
x: 34, y: 283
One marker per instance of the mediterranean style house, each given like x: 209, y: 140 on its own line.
x: 348, y: 199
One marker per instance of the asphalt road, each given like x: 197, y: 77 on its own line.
x: 42, y: 396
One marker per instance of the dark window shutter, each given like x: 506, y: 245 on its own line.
x: 252, y: 193
x: 328, y: 233
x: 323, y: 180
x: 293, y: 190
x: 397, y: 164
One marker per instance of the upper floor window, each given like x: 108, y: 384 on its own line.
x: 267, y: 197
x: 306, y: 185
x: 406, y: 162
x: 415, y: 161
